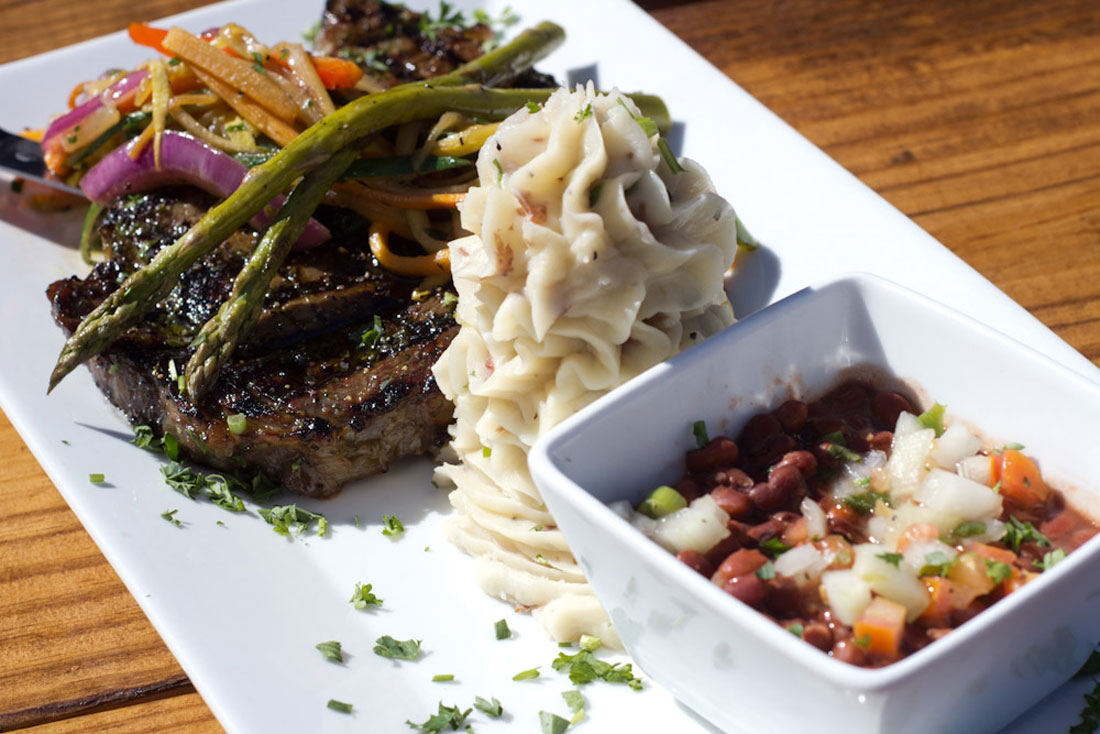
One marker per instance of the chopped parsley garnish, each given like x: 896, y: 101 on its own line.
x: 171, y: 446
x: 97, y: 478
x: 217, y: 489
x: 1051, y: 559
x: 284, y: 518
x: 533, y: 107
x: 1090, y: 714
x: 584, y: 114
x: 170, y: 516
x: 862, y: 482
x: 999, y: 571
x: 839, y: 451
x: 795, y: 629
x: 331, y: 651
x: 1091, y: 666
x: 967, y: 529
x: 933, y: 418
x: 526, y: 674
x: 575, y: 701
x: 835, y: 437
x: 388, y: 647
x: 370, y: 337
x: 144, y: 438
x: 1017, y: 532
x: 766, y: 572
x: 894, y: 559
x: 238, y: 423
x: 936, y: 563
x: 552, y: 723
x: 442, y: 678
x: 584, y: 667
x: 391, y: 526
x: 448, y: 716
x: 865, y: 502
x: 490, y: 708
x: 344, y: 708
x: 774, y: 547
x: 501, y: 629
x: 699, y: 428
x: 363, y: 598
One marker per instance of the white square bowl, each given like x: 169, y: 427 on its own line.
x: 730, y: 663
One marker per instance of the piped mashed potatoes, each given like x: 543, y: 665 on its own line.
x: 591, y: 260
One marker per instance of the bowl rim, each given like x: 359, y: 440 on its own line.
x: 543, y: 463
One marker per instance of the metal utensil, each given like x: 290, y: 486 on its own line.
x: 23, y: 158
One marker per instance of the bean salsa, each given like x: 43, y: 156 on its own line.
x: 860, y: 525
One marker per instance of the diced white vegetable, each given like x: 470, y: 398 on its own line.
x: 816, y: 522
x: 916, y: 553
x: 644, y: 523
x: 908, y: 423
x: 909, y: 458
x: 897, y: 583
x: 847, y: 594
x: 623, y: 509
x: 856, y: 475
x: 977, y: 468
x: 802, y: 563
x: 697, y: 527
x: 954, y: 445
x: 949, y: 495
x: 900, y: 518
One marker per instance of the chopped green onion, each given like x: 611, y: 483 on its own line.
x: 526, y: 675
x: 237, y: 423
x: 933, y: 418
x: 344, y: 708
x: 502, y: 631
x: 662, y: 501
x: 699, y: 428
x: 442, y: 678
x: 97, y: 478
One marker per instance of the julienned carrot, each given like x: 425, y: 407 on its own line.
x: 336, y: 73
x: 1020, y: 478
x: 410, y: 200
x: 271, y: 126
x: 146, y: 35
x: 416, y: 265
x: 880, y: 627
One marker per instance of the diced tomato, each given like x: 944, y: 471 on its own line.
x: 917, y: 531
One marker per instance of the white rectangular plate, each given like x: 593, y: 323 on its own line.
x: 241, y: 607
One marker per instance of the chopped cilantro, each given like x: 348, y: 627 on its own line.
x: 1090, y: 714
x: 526, y: 674
x: 284, y: 518
x: 862, y: 482
x: 447, y: 716
x: 894, y: 559
x: 501, y: 629
x: 217, y: 489
x: 490, y: 708
x: 552, y: 723
x: 967, y: 529
x: 865, y: 502
x: 766, y: 572
x: 344, y: 708
x: 170, y: 516
x: 774, y: 547
x: 575, y: 701
x: 590, y: 643
x: 584, y: 667
x: 936, y: 563
x: 1017, y: 532
x: 1051, y: 559
x: 699, y: 428
x: 363, y: 598
x: 370, y: 337
x: 584, y: 114
x: 999, y: 571
x: 331, y: 651
x: 391, y: 526
x: 533, y: 107
x: 388, y: 647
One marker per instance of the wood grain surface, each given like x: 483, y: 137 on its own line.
x: 980, y: 120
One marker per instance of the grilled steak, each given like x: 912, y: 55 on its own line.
x: 394, y: 45
x: 329, y: 392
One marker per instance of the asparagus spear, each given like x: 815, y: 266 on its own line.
x: 219, y: 336
x: 142, y: 290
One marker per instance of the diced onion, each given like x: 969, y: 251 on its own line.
x: 954, y: 445
x: 802, y: 563
x: 977, y: 468
x: 698, y: 527
x: 816, y: 522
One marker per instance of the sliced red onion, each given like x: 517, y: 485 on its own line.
x: 183, y: 160
x: 62, y: 125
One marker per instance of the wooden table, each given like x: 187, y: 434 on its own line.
x: 979, y: 120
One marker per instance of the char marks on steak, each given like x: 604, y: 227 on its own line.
x: 324, y: 404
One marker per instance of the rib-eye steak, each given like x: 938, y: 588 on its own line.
x: 335, y: 380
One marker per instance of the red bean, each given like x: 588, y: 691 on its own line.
x: 697, y: 562
x: 847, y: 651
x: 783, y: 482
x: 748, y: 588
x: 759, y: 427
x: 848, y: 398
x: 887, y: 406
x: 770, y: 528
x: 733, y: 478
x: 783, y: 597
x: 720, y: 453
x: 792, y: 415
x: 881, y: 440
x: 736, y: 504
x: 825, y: 425
x: 689, y: 489
x: 732, y: 542
x: 739, y: 563
x: 767, y: 452
x: 818, y: 635
x: 804, y: 461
